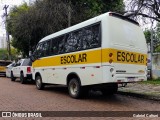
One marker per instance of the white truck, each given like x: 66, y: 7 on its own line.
x: 22, y: 70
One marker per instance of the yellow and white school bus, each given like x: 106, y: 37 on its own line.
x: 98, y: 53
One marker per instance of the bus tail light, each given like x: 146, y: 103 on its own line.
x: 28, y: 69
x: 110, y: 55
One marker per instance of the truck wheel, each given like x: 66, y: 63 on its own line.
x: 22, y: 78
x: 74, y: 88
x: 12, y: 77
x: 39, y: 84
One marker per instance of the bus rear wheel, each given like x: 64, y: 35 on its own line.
x: 74, y: 88
x: 39, y: 84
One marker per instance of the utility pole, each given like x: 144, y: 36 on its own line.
x: 151, y: 53
x: 69, y: 13
x: 7, y: 34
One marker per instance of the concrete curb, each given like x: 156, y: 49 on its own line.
x: 139, y: 95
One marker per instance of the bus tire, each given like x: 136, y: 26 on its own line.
x: 74, y: 88
x: 22, y: 78
x: 12, y: 77
x: 39, y: 84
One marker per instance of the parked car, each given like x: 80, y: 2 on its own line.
x: 3, y: 64
x: 8, y: 69
x: 22, y: 70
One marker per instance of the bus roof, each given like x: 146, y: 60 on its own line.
x: 87, y: 22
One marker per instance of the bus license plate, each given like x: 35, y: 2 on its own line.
x: 131, y: 79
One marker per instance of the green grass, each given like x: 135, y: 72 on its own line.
x: 153, y: 82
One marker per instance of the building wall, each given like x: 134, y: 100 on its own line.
x: 3, y: 42
x: 156, y: 66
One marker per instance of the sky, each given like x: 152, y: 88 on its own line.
x: 10, y: 3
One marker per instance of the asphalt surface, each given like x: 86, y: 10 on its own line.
x: 18, y: 97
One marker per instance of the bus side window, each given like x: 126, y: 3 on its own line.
x: 61, y: 44
x: 54, y: 48
x: 45, y: 49
x: 79, y: 34
x: 38, y: 52
x: 96, y: 41
x: 91, y: 37
x: 71, y: 42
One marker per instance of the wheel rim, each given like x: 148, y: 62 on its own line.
x: 38, y: 82
x: 73, y: 88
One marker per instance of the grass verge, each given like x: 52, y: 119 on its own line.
x: 153, y: 82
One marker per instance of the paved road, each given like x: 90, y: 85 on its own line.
x: 17, y: 97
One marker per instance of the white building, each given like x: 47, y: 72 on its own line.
x: 3, y: 42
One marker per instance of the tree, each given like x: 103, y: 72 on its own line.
x: 143, y: 8
x: 29, y: 24
x: 85, y: 9
x: 147, y: 34
x: 4, y: 54
x: 15, y: 28
x: 156, y: 37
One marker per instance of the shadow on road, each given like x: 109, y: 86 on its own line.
x: 92, y: 95
x: 29, y: 82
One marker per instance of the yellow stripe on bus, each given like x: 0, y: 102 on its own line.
x: 95, y: 56
x: 124, y: 57
x: 70, y: 59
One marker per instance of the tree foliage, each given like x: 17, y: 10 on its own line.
x: 147, y: 34
x: 144, y: 8
x: 4, y: 54
x: 156, y: 37
x: 29, y: 24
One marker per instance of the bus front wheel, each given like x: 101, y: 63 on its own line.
x: 39, y: 84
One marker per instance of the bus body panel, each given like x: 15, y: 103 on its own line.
x: 127, y: 44
x: 53, y: 72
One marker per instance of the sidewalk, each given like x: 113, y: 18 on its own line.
x: 147, y: 91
